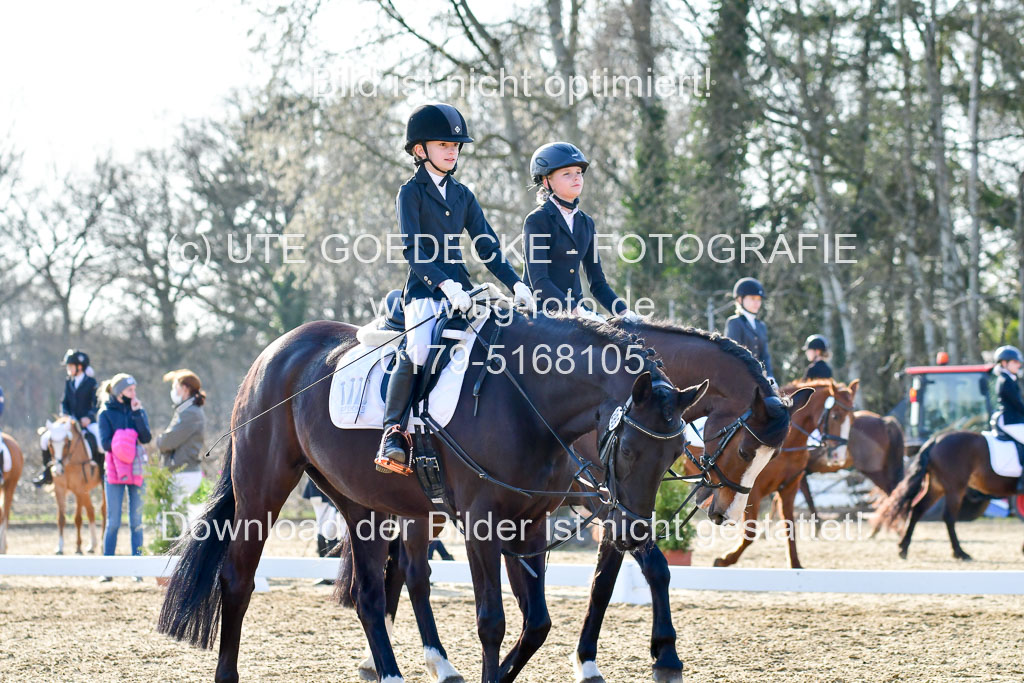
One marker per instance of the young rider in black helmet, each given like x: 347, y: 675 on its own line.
x: 745, y: 327
x: 1011, y: 405
x: 433, y: 211
x: 816, y: 350
x: 558, y: 238
x: 80, y: 403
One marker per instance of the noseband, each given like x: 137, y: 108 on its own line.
x: 830, y: 441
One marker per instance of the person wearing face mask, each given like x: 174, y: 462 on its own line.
x: 124, y: 428
x: 181, y: 444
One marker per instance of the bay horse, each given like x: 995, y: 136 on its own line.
x: 10, y: 483
x: 830, y: 411
x: 74, y: 472
x: 875, y: 450
x: 739, y: 393
x: 947, y: 464
x: 515, y: 442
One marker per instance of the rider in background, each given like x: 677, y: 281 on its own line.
x: 745, y: 327
x: 1011, y: 405
x: 79, y: 403
x: 817, y: 352
x: 433, y: 211
x: 558, y: 238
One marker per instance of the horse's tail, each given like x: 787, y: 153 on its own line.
x: 343, y: 584
x: 894, y: 456
x: 192, y: 604
x: 895, y: 509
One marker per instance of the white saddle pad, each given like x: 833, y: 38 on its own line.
x: 8, y: 463
x: 1005, y: 462
x: 354, y: 399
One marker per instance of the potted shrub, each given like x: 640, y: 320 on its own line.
x: 677, y: 546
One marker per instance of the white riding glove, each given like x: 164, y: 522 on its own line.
x: 630, y: 317
x: 587, y: 314
x: 458, y: 297
x: 522, y: 296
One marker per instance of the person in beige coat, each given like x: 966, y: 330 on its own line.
x: 181, y: 443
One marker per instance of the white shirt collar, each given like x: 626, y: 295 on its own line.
x: 437, y: 183
x: 77, y: 380
x: 751, y: 318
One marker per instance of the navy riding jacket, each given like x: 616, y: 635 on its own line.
x: 1010, y: 400
x: 431, y: 226
x: 819, y: 369
x: 754, y: 338
x: 555, y: 256
x: 80, y: 402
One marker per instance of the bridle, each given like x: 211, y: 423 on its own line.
x: 830, y: 441
x: 609, y: 450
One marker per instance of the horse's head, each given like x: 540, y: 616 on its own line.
x: 59, y: 435
x: 639, y: 442
x: 830, y: 413
x: 740, y: 437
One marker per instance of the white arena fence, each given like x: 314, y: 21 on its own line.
x: 631, y: 586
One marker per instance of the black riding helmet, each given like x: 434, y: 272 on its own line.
x: 553, y: 156
x: 816, y: 341
x: 748, y: 286
x: 438, y: 121
x: 75, y: 357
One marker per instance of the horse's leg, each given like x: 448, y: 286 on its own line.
x: 529, y: 591
x: 367, y: 589
x: 416, y: 568
x: 485, y: 567
x: 749, y: 531
x: 257, y: 507
x: 609, y: 562
x: 954, y: 498
x: 787, y: 496
x: 805, y: 488
x: 915, y: 514
x: 394, y: 579
x: 90, y: 511
x: 62, y: 498
x: 78, y: 524
x: 667, y: 666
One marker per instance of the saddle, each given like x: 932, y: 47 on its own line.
x: 1001, y: 435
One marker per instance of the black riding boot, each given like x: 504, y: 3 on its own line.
x: 44, y: 477
x: 97, y: 454
x: 395, y: 446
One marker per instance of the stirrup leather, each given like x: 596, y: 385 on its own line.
x: 388, y: 464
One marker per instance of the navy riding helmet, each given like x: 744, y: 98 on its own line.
x: 816, y: 341
x: 435, y: 122
x: 748, y: 286
x: 553, y: 156
x: 1009, y: 353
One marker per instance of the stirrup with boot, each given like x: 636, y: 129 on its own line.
x: 44, y: 477
x: 395, y: 451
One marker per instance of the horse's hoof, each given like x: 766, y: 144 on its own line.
x: 58, y: 552
x: 668, y: 675
x: 964, y: 557
x: 78, y: 552
x: 719, y: 562
x: 367, y: 673
x: 903, y: 553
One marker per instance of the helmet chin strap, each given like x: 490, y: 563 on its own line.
x: 568, y: 205
x: 447, y: 174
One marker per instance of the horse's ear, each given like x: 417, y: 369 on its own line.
x: 642, y: 388
x: 854, y: 385
x: 690, y: 395
x: 799, y: 399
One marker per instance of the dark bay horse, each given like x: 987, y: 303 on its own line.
x: 783, y: 474
x: 875, y: 450
x: 946, y: 465
x: 9, y: 485
x: 266, y: 457
x: 739, y: 393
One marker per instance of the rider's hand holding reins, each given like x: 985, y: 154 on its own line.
x: 458, y: 297
x: 522, y: 297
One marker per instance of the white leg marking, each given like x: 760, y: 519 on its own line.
x: 739, y: 501
x: 584, y: 670
x: 439, y: 667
